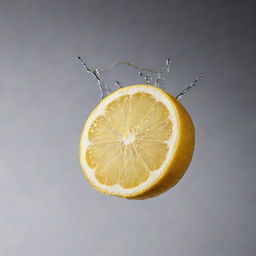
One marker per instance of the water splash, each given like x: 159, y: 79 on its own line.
x: 96, y: 73
x: 156, y: 77
x: 195, y: 83
x: 150, y: 76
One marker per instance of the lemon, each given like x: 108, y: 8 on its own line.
x: 137, y: 143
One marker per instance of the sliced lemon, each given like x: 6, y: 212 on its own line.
x: 137, y: 143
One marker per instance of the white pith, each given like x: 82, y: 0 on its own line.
x: 128, y: 139
x: 117, y: 189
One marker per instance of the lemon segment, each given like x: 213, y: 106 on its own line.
x: 137, y: 143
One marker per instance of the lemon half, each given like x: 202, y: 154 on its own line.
x: 137, y: 143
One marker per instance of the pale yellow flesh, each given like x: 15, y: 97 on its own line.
x: 130, y: 141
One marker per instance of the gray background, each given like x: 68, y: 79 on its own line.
x: 47, y: 207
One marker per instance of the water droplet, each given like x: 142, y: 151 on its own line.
x: 117, y: 83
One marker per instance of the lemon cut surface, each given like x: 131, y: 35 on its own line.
x: 137, y: 143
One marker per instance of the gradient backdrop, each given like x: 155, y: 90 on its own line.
x: 47, y: 207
